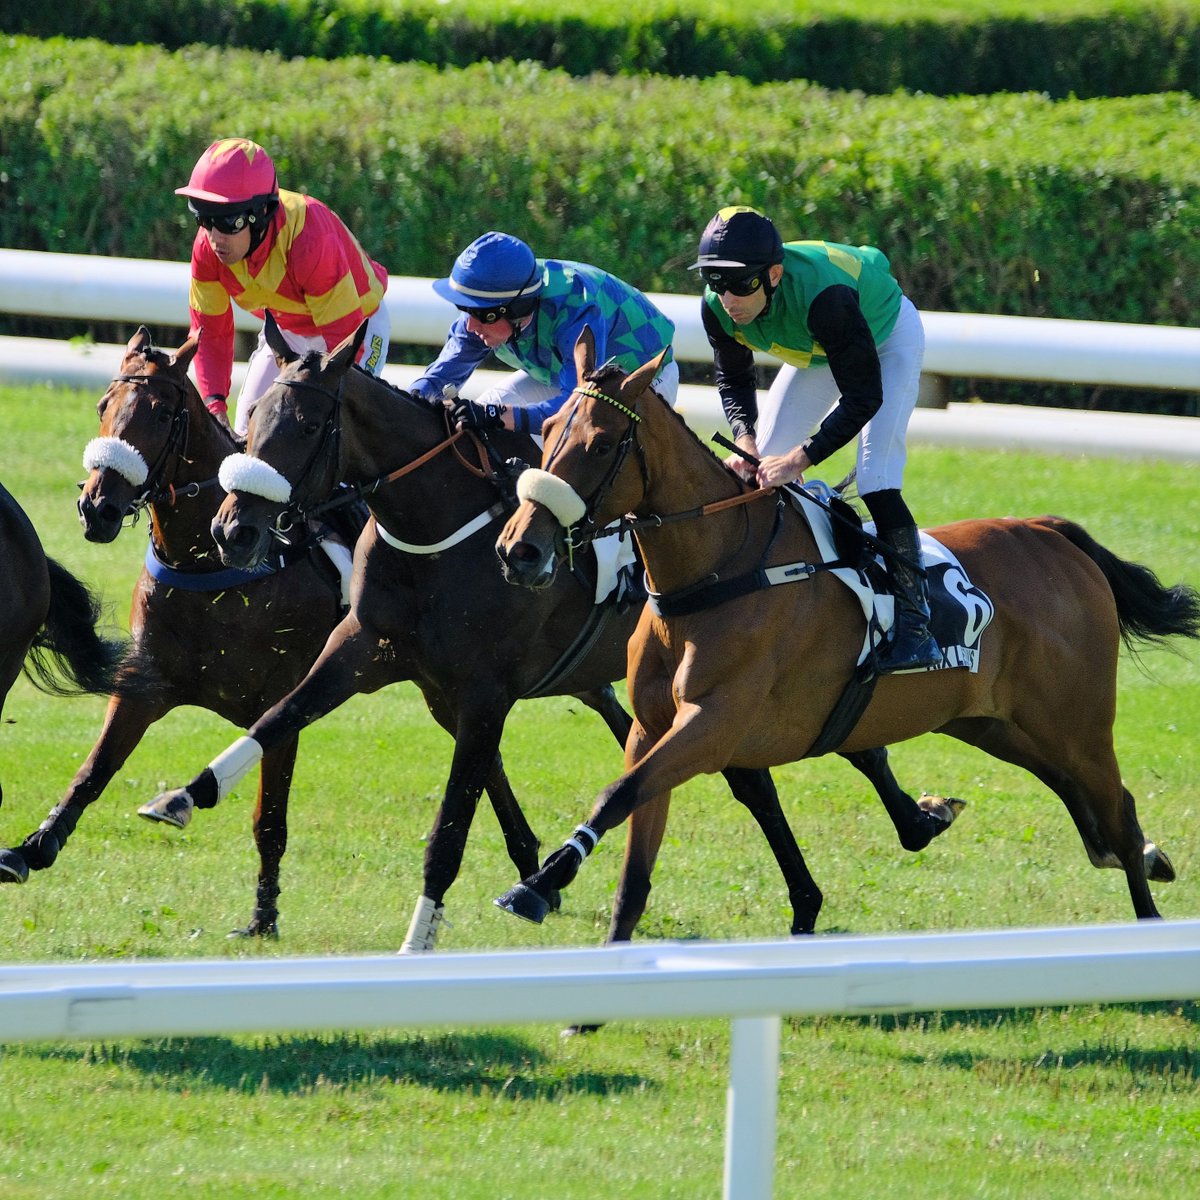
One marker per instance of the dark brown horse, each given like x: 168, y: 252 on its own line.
x: 48, y: 618
x: 716, y: 688
x: 227, y: 641
x: 428, y: 604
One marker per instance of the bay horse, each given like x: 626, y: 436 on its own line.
x: 718, y: 687
x: 428, y: 604
x: 48, y: 618
x: 227, y: 641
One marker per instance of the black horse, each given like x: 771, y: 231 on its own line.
x: 48, y: 618
x: 476, y: 645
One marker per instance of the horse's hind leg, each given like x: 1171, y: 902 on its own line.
x: 270, y: 836
x: 917, y: 822
x: 756, y: 790
x: 1084, y: 774
x: 604, y: 701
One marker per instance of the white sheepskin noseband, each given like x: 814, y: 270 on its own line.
x: 119, y: 456
x: 555, y: 494
x: 245, y: 473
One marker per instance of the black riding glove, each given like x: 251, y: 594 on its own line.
x: 469, y: 414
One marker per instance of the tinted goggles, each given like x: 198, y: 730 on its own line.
x: 739, y: 283
x: 486, y: 316
x: 227, y: 223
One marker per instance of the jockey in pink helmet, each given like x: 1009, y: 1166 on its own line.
x: 263, y: 248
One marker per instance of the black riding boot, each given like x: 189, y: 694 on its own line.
x: 911, y: 645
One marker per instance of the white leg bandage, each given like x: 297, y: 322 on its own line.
x: 553, y: 493
x: 427, y: 918
x: 588, y: 832
x: 230, y: 765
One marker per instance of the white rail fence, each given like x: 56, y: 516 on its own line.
x: 92, y: 287
x: 753, y: 983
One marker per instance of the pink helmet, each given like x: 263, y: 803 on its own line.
x: 232, y: 171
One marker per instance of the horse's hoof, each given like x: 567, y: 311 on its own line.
x: 522, y: 901
x: 171, y: 808
x: 1158, y: 865
x: 578, y: 1030
x: 267, y: 930
x: 942, y: 809
x: 13, y: 867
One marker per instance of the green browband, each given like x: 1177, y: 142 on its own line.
x: 596, y: 394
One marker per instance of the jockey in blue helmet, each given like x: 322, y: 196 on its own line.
x: 529, y: 313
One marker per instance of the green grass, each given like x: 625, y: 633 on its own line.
x: 1030, y: 1104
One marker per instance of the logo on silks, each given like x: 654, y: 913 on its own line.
x: 959, y: 611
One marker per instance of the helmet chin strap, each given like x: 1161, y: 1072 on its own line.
x: 261, y: 223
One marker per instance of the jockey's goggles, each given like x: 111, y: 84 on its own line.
x: 514, y: 310
x: 738, y: 283
x: 228, y: 223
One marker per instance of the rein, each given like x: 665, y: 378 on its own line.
x: 288, y: 518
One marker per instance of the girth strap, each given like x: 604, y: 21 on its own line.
x: 708, y: 593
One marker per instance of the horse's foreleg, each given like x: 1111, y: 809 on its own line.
x: 352, y: 662
x: 476, y: 760
x: 270, y: 836
x: 917, y: 822
x: 125, y: 723
x: 688, y: 749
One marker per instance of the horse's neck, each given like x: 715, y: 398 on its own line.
x: 684, y: 477
x: 383, y: 433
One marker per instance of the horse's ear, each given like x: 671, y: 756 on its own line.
x: 275, y: 339
x: 638, y: 381
x: 585, y: 354
x: 182, y: 358
x: 140, y: 343
x: 341, y: 356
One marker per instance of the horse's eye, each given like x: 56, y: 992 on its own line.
x: 311, y: 428
x: 162, y: 416
x: 602, y: 446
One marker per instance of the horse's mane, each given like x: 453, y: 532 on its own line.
x: 388, y: 386
x: 607, y: 371
x: 163, y: 360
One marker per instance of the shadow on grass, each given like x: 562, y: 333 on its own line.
x: 478, y: 1064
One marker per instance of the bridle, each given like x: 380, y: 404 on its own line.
x: 578, y: 533
x: 153, y: 490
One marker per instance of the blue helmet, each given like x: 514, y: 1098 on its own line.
x: 496, y: 273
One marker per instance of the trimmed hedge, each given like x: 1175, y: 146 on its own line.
x: 1085, y: 48
x: 1014, y: 204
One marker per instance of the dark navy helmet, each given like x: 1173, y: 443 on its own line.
x: 739, y: 237
x: 496, y: 274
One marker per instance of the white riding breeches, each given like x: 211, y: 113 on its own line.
x: 262, y: 368
x: 800, y: 397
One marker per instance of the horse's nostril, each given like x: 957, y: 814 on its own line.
x: 524, y: 553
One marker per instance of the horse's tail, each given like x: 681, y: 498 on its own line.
x: 69, y: 657
x: 1147, y: 610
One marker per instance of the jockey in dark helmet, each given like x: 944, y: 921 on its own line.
x: 851, y: 343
